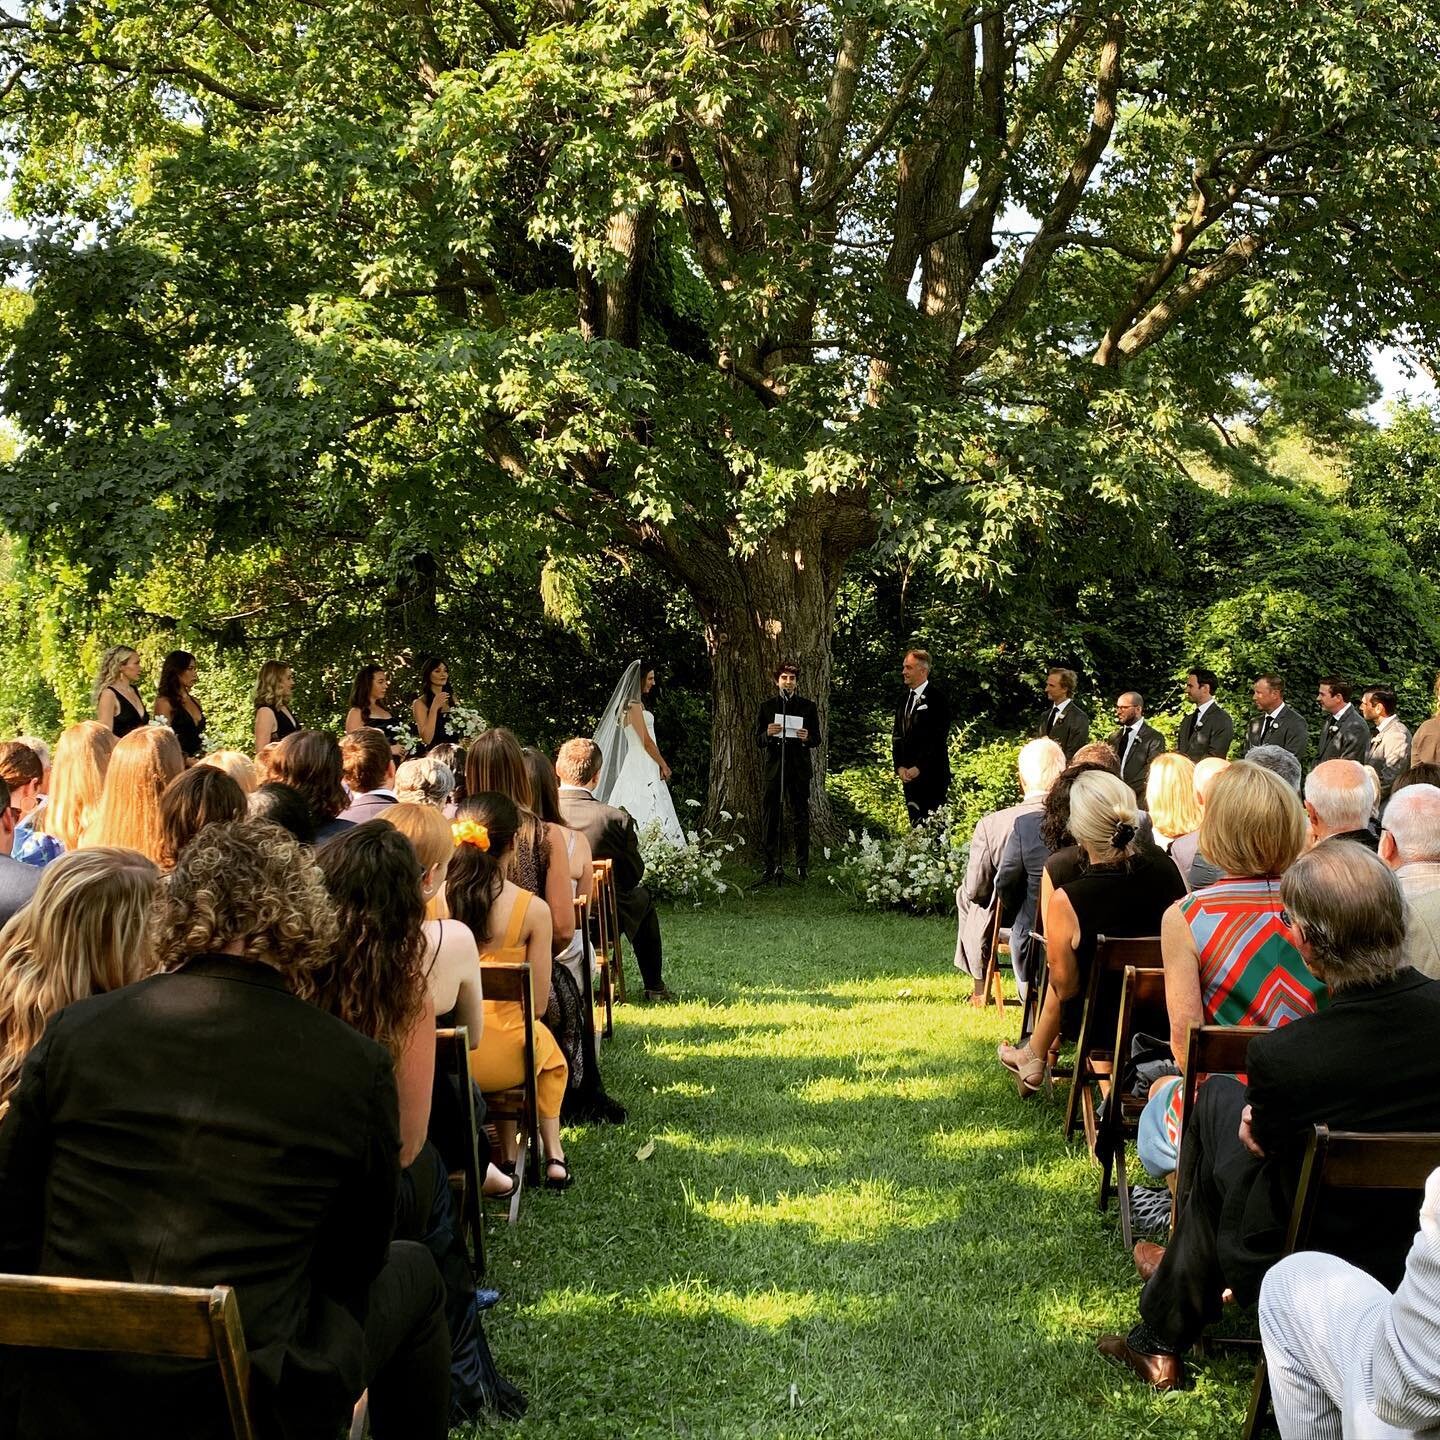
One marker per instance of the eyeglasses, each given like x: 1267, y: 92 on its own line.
x: 1289, y: 921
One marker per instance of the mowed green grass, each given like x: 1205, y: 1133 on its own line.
x: 849, y: 1224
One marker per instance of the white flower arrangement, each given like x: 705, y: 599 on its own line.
x: 917, y: 871
x: 692, y: 871
x: 465, y: 723
x: 405, y: 737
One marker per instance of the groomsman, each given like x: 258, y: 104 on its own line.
x: 1207, y: 730
x: 787, y: 729
x: 1344, y: 735
x: 1277, y: 723
x: 920, y: 746
x: 1135, y: 743
x: 1064, y: 722
x: 1389, y: 750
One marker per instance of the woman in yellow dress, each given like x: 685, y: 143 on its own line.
x: 511, y: 926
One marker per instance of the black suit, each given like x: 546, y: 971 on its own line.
x: 1069, y: 731
x: 1286, y: 729
x: 1367, y: 1063
x: 200, y: 1128
x: 1199, y: 739
x: 793, y: 775
x: 612, y: 836
x: 1135, y: 766
x: 1346, y: 737
x: 921, y: 740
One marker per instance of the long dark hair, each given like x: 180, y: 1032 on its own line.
x: 1055, y: 824
x: 286, y: 807
x: 647, y: 697
x: 309, y: 761
x: 476, y: 877
x: 428, y: 667
x: 175, y: 664
x: 200, y: 797
x: 375, y: 981
x: 360, y: 695
x: 544, y: 787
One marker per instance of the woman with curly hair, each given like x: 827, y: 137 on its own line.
x: 200, y: 797
x: 86, y: 931
x: 77, y: 780
x: 128, y: 815
x: 118, y: 705
x: 309, y: 761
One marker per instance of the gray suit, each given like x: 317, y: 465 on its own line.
x: 368, y: 805
x: 1213, y: 735
x: 1070, y: 730
x: 17, y: 885
x: 1135, y: 766
x: 1285, y: 728
x: 1017, y: 884
x: 978, y: 895
x: 1344, y: 737
x: 1388, y: 755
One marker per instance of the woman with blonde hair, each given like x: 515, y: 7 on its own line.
x: 77, y: 780
x: 236, y: 764
x: 85, y: 932
x: 273, y: 719
x: 425, y: 781
x: 1170, y: 798
x: 128, y: 814
x: 1123, y: 890
x: 118, y: 705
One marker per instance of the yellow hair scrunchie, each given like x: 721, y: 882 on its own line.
x: 470, y: 832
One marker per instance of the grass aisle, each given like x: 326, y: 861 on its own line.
x: 849, y: 1224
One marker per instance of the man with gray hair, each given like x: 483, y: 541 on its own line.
x: 1410, y: 846
x: 1339, y: 799
x: 1369, y: 1062
x: 1279, y: 761
x: 976, y: 899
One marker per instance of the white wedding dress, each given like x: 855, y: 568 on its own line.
x: 639, y: 789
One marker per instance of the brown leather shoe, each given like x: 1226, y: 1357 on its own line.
x: 1148, y: 1256
x: 1164, y: 1372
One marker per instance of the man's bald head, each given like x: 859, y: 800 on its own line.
x: 1338, y: 798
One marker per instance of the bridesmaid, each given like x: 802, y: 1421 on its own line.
x: 273, y: 720
x: 431, y: 708
x: 367, y: 707
x: 118, y: 705
x: 175, y: 704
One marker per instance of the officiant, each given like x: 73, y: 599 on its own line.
x: 787, y: 729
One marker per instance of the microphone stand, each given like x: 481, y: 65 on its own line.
x: 780, y: 799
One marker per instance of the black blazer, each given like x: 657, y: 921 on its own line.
x: 203, y: 1128
x: 797, y: 752
x: 1347, y: 738
x: 611, y: 833
x: 1213, y: 737
x: 925, y: 740
x: 1327, y: 1068
x: 1288, y: 730
x: 1149, y: 743
x: 1071, y: 730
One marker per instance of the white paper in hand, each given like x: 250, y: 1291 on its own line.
x: 790, y: 725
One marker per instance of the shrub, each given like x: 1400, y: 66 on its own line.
x: 692, y: 872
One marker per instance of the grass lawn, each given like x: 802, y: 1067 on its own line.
x: 849, y: 1224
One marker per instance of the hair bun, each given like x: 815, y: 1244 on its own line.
x: 1124, y: 835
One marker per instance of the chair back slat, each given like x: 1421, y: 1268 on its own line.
x: 452, y: 1061
x: 519, y: 1103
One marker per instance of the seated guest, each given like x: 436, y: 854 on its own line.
x: 24, y: 772
x: 612, y: 836
x: 1345, y: 1356
x: 369, y: 771
x: 1097, y: 752
x: 375, y: 981
x: 149, y: 1139
x: 1229, y: 959
x: 1124, y: 891
x: 512, y: 927
x: 42, y: 753
x: 1242, y: 1149
x: 287, y: 808
x: 1185, y: 849
x: 1039, y: 764
x: 545, y: 798
x: 1421, y: 774
x: 309, y: 761
x: 17, y: 880
x: 201, y: 796
x: 77, y: 779
x: 426, y: 781
x: 237, y: 765
x: 1425, y: 746
x: 1170, y: 800
x: 1279, y: 760
x: 453, y: 758
x: 1339, y: 796
x: 128, y: 815
x: 1410, y: 846
x: 86, y: 931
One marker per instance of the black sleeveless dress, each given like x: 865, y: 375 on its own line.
x: 389, y: 728
x: 127, y: 717
x: 285, y: 724
x: 443, y: 734
x: 188, y: 730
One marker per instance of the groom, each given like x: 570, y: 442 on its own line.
x: 611, y: 834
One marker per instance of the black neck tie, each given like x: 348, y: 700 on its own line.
x: 1054, y: 716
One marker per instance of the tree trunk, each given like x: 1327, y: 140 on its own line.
x: 759, y: 610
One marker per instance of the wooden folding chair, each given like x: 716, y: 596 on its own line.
x: 588, y: 971
x: 1094, y: 1060
x: 1034, y: 992
x: 452, y: 1068
x: 992, y: 987
x: 520, y: 1104
x: 609, y: 955
x: 1341, y: 1160
x: 1142, y: 1011
x: 123, y: 1319
x: 1210, y: 1050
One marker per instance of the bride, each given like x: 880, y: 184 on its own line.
x: 633, y: 772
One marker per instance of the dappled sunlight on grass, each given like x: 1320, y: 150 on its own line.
x: 865, y: 1211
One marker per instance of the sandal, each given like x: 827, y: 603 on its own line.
x: 510, y: 1189
x: 1025, y: 1065
x: 558, y: 1182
